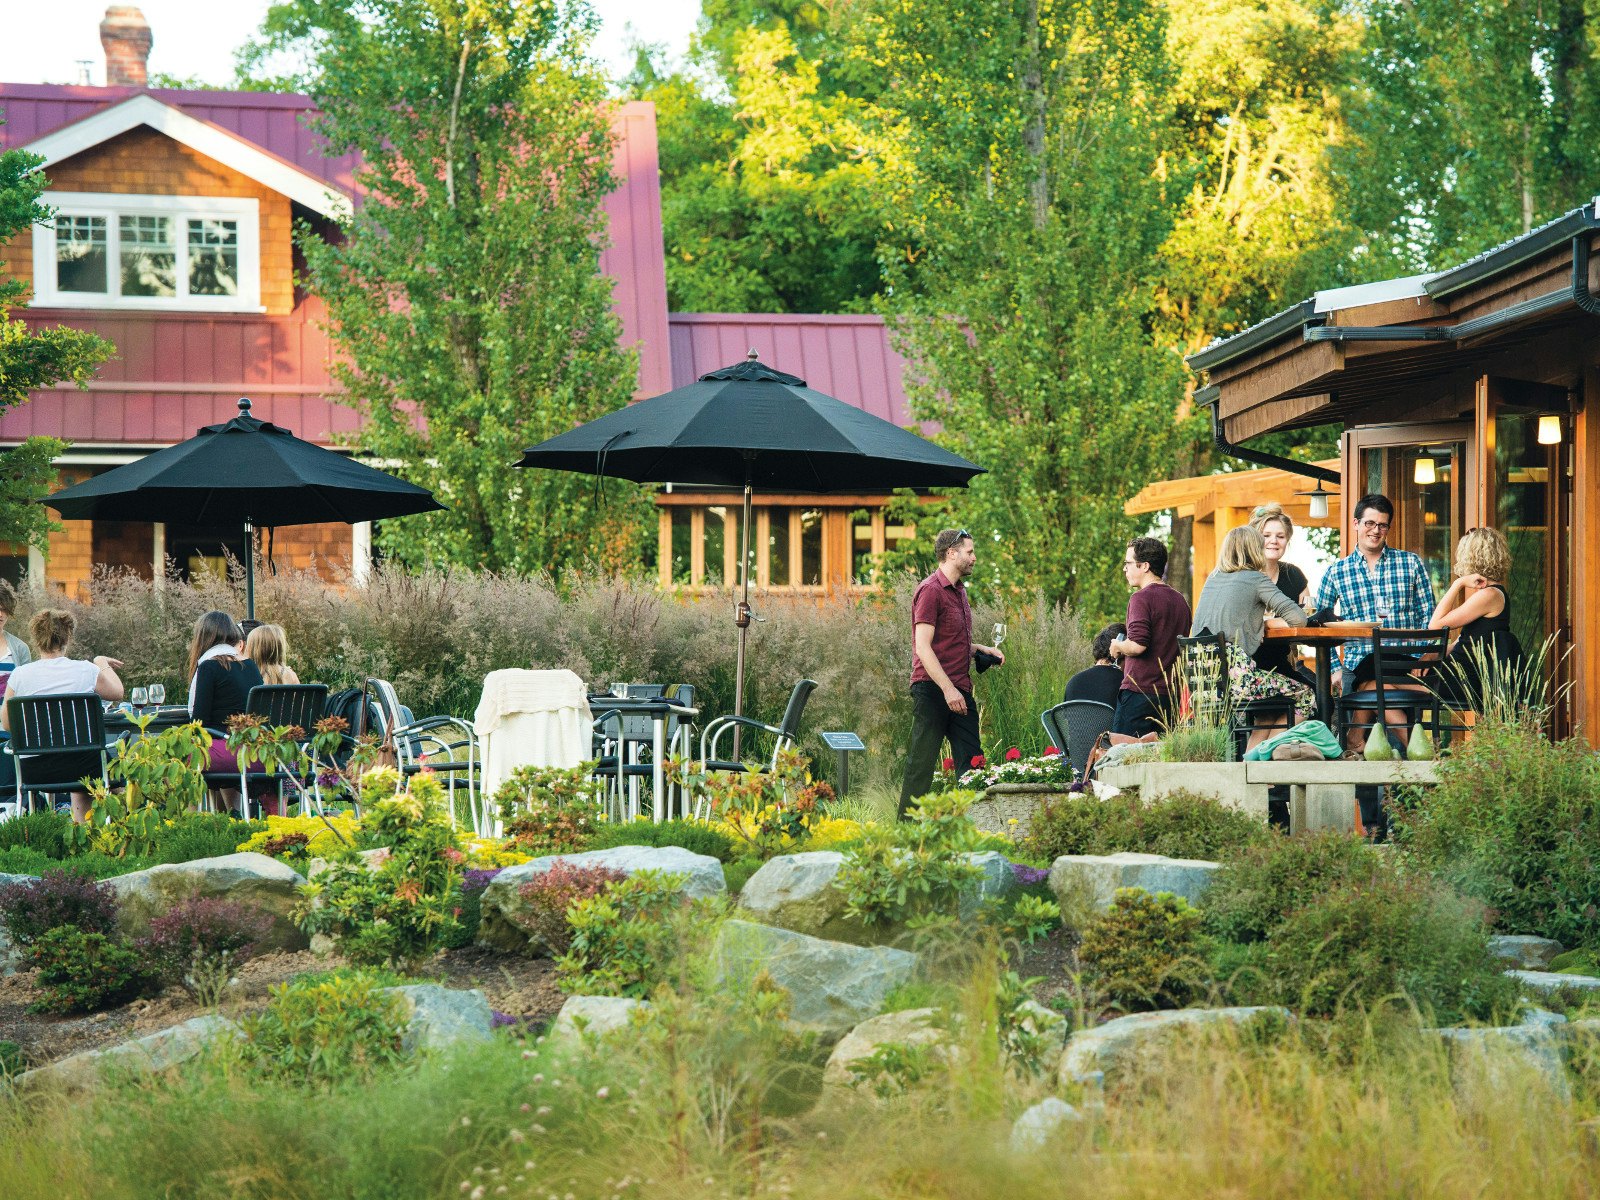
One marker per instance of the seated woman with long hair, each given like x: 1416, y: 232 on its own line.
x: 1477, y: 606
x: 1236, y: 601
x: 220, y: 679
x: 267, y: 647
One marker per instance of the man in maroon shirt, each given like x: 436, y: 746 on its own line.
x: 1157, y: 617
x: 941, y: 687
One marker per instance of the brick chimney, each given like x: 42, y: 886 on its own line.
x: 125, y: 34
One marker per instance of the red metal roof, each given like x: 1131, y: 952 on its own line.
x: 845, y: 356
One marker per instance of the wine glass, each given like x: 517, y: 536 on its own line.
x: 139, y: 698
x: 1383, y: 612
x: 158, y: 694
x: 999, y: 633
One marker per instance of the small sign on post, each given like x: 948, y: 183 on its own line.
x: 842, y: 742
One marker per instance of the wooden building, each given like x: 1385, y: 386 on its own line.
x: 1469, y: 397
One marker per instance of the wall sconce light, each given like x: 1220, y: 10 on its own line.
x: 1430, y: 518
x: 1423, y: 472
x: 1318, y: 502
x: 1549, y: 429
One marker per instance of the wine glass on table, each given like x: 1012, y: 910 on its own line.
x: 139, y: 697
x: 158, y: 694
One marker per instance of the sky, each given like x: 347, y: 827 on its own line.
x: 44, y: 42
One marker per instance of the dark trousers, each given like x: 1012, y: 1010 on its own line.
x: 1138, y: 714
x: 932, y: 723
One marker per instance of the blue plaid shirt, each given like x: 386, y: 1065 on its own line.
x: 1401, y: 583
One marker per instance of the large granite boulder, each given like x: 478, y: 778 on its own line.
x: 1100, y: 875
x: 1524, y: 951
x: 503, y: 923
x: 1040, y: 1125
x: 145, y: 1055
x: 1544, y: 982
x: 909, y: 1027
x: 438, y: 1016
x: 832, y: 986
x: 796, y: 891
x: 595, y: 1017
x: 254, y: 880
x: 1100, y: 1053
x: 1484, y: 1061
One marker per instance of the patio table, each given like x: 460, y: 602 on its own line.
x: 635, y: 714
x: 119, y: 725
x: 1322, y: 639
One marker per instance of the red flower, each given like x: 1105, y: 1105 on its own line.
x: 1013, y: 754
x: 978, y: 760
x: 1051, y: 752
x: 949, y: 764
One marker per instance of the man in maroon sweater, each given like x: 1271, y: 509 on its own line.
x: 1157, y: 617
x: 941, y: 685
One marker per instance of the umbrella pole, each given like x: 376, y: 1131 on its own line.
x: 741, y: 616
x: 249, y: 571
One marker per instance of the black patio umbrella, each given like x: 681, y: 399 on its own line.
x: 750, y: 426
x: 245, y: 472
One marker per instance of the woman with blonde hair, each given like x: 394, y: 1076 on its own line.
x: 1236, y: 601
x: 1276, y: 529
x: 267, y: 647
x: 52, y: 673
x: 1477, y: 606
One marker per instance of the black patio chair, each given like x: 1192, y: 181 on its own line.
x: 1203, y: 672
x: 445, y: 745
x: 1395, y: 656
x: 1074, y: 726
x: 612, y: 736
x: 299, y: 704
x: 785, y: 733
x: 53, y: 738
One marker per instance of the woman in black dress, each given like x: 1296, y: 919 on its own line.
x: 1477, y: 606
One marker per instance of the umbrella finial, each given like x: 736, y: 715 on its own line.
x: 244, y: 406
x: 752, y: 356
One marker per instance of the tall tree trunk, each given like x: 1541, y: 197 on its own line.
x: 1033, y: 104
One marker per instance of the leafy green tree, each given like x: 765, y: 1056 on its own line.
x: 1471, y: 121
x: 771, y: 170
x: 464, y: 294
x: 1035, y: 208
x: 31, y: 359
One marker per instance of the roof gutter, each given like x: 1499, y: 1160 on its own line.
x: 1515, y: 252
x: 1577, y: 293
x: 1256, y: 336
x: 1209, y: 396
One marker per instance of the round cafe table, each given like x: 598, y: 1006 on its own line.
x: 1322, y: 639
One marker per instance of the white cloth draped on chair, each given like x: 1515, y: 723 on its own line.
x: 531, y: 718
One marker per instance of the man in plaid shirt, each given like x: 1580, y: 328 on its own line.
x: 1378, y: 585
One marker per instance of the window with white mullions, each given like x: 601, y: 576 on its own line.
x: 213, y: 258
x: 149, y: 256
x: 81, y: 254
x: 149, y: 252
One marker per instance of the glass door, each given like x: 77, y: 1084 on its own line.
x: 1426, y: 471
x: 1527, y: 436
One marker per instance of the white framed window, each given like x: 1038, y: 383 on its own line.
x: 148, y: 252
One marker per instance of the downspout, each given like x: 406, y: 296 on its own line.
x: 1581, y: 295
x: 1211, y: 396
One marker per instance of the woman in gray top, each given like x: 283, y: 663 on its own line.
x: 1236, y: 601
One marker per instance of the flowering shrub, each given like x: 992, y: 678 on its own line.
x: 625, y: 940
x: 83, y: 971
x: 324, y: 836
x: 200, y: 941
x: 1147, y: 951
x: 829, y: 833
x: 915, y: 867
x: 550, y: 895
x: 159, y: 780
x: 766, y: 812
x: 548, y: 810
x: 401, y: 909
x: 1051, y: 767
x: 57, y: 898
x: 490, y: 853
x: 326, y: 1031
